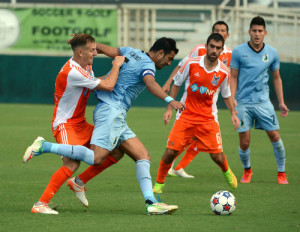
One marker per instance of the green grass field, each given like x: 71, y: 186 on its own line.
x: 116, y: 203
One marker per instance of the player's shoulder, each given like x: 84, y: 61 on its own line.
x: 270, y: 48
x: 224, y: 68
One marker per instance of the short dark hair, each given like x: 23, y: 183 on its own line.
x: 220, y: 23
x: 81, y: 40
x: 167, y: 44
x: 215, y: 36
x: 258, y: 21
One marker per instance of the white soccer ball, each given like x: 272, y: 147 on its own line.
x: 223, y: 203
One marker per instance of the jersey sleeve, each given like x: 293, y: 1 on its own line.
x: 123, y: 50
x: 77, y: 79
x: 225, y: 87
x: 235, y: 63
x: 182, y: 74
x: 276, y: 62
x: 181, y: 63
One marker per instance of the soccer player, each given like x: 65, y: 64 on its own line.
x: 249, y: 85
x: 111, y: 129
x: 69, y: 126
x: 222, y: 28
x: 204, y: 78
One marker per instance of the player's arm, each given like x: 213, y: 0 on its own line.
x: 155, y: 89
x: 277, y: 82
x: 233, y: 83
x: 107, y: 50
x: 166, y: 87
x: 169, y: 111
x: 229, y: 104
x: 109, y: 82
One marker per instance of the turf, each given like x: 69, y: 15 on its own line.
x: 116, y: 203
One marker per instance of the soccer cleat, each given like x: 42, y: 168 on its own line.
x: 34, y: 149
x: 230, y: 178
x: 79, y: 191
x: 282, y: 178
x: 158, y: 188
x: 182, y: 173
x: 171, y: 208
x: 42, y: 208
x: 160, y: 208
x: 247, y: 176
x: 171, y: 172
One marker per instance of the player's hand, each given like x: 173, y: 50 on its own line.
x: 235, y: 121
x: 234, y: 103
x: 119, y: 60
x: 168, y: 115
x: 284, y: 110
x: 177, y: 105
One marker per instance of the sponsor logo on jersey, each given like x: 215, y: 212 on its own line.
x: 265, y: 58
x: 202, y: 89
x: 215, y: 80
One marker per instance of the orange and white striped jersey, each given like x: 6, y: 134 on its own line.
x: 72, y: 89
x: 202, y: 88
x: 200, y: 50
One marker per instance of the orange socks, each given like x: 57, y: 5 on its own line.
x: 93, y: 171
x: 224, y: 166
x: 162, y: 171
x: 187, y: 158
x: 57, y: 180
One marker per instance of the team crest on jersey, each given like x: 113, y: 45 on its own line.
x: 215, y: 80
x: 225, y: 61
x: 265, y: 58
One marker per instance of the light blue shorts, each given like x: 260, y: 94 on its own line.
x: 110, y: 127
x: 261, y: 116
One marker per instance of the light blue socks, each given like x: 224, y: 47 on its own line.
x: 279, y: 153
x: 245, y: 157
x: 144, y: 179
x: 73, y: 152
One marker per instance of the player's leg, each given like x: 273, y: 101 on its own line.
x: 244, y: 152
x: 77, y: 184
x: 188, y: 157
x: 267, y: 120
x: 221, y: 160
x: 246, y: 117
x: 279, y: 153
x: 134, y: 148
x: 178, y: 138
x: 76, y: 134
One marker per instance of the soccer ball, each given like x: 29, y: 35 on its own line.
x: 223, y: 203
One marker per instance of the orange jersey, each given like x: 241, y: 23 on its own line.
x: 72, y: 89
x: 200, y: 50
x: 201, y: 89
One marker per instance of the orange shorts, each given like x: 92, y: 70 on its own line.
x: 208, y: 136
x: 74, y: 134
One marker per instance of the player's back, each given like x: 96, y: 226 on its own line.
x: 130, y: 82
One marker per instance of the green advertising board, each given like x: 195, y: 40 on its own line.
x: 47, y: 29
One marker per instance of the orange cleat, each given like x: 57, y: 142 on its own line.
x: 247, y: 176
x: 282, y: 178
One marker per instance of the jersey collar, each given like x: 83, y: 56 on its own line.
x: 216, y: 69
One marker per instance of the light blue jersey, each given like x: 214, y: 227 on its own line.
x: 253, y: 75
x: 130, y: 81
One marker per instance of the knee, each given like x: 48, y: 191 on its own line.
x: 73, y: 165
x: 274, y: 137
x: 169, y: 155
x: 244, y: 145
x: 217, y: 157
